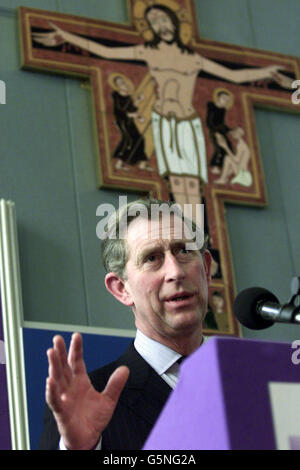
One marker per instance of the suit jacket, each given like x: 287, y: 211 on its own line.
x: 139, y: 406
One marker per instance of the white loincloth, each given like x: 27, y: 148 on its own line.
x: 180, y: 146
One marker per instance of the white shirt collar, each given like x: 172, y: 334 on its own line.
x: 158, y: 356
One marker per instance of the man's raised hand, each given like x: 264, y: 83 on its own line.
x: 80, y: 411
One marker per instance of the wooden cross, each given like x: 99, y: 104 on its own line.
x: 174, y: 113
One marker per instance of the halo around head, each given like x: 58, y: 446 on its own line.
x: 112, y: 81
x: 217, y: 91
x: 142, y: 26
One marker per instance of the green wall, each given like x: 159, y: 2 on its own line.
x: 47, y: 167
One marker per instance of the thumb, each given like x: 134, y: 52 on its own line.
x: 116, y: 383
x: 54, y: 26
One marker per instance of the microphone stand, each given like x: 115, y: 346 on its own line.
x: 287, y: 313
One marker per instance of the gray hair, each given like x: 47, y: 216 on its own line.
x: 114, y: 250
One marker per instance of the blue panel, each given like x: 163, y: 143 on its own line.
x: 98, y: 350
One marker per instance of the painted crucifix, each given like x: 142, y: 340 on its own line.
x: 174, y: 113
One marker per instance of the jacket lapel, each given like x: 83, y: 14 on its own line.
x: 145, y: 392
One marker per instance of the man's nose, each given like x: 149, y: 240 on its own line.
x: 173, y: 269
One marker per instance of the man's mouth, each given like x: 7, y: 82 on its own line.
x: 180, y: 297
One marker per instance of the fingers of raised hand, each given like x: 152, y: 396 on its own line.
x: 53, y: 397
x: 75, y: 356
x: 59, y: 374
x: 59, y: 369
x: 116, y: 383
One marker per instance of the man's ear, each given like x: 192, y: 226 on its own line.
x: 207, y: 259
x: 116, y: 286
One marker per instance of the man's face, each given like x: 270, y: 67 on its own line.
x: 167, y: 285
x: 161, y: 24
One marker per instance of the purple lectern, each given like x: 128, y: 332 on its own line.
x: 223, y: 400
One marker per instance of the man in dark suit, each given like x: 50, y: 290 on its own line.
x: 156, y: 267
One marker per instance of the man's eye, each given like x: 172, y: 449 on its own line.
x: 183, y: 252
x: 152, y: 258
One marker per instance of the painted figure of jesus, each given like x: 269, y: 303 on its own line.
x: 174, y: 66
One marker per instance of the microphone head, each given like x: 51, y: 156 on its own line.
x: 245, y: 307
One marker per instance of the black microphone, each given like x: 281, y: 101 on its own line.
x: 257, y: 308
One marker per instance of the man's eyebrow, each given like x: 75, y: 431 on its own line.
x: 181, y: 241
x: 160, y: 247
x: 149, y: 249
